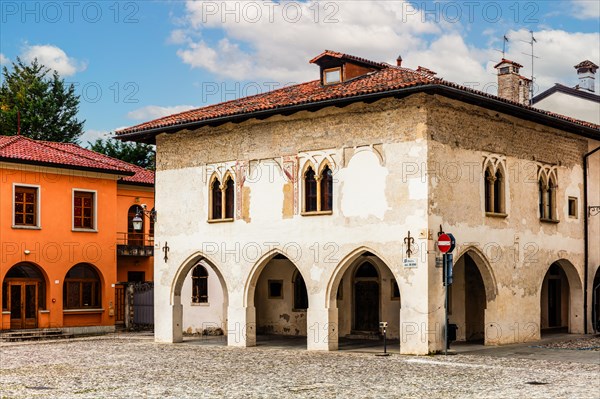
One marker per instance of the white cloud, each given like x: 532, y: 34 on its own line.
x: 178, y: 36
x: 4, y: 59
x: 154, y: 111
x: 276, y: 46
x: 53, y: 57
x: 91, y: 135
x: 586, y: 9
x: 278, y: 50
x: 558, y: 53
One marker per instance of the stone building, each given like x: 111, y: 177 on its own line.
x: 317, y: 207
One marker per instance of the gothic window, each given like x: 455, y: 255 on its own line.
x: 318, y: 190
x: 222, y: 199
x: 326, y: 189
x: 310, y: 190
x: 199, y: 284
x: 494, y: 183
x: 547, y: 197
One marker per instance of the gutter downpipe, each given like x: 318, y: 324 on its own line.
x: 586, y: 239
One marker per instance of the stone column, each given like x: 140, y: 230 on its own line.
x: 241, y: 326
x: 322, y: 329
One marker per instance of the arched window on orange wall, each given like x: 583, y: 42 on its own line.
x: 82, y: 288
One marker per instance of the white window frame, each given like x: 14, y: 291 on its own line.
x: 95, y: 194
x: 38, y: 222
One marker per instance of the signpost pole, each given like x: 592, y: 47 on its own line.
x: 446, y: 305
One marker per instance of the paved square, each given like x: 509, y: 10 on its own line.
x: 134, y: 366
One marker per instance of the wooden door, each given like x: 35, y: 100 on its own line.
x: 366, y: 306
x: 23, y: 304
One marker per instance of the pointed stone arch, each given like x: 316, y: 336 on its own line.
x: 485, y: 269
x: 171, y: 329
x: 572, y: 303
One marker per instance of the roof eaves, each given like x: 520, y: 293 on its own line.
x: 437, y: 85
x: 65, y: 166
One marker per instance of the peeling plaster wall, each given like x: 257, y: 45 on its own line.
x: 399, y: 165
x: 519, y: 248
x: 376, y: 138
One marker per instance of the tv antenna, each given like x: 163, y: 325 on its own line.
x: 531, y: 42
x: 504, y: 41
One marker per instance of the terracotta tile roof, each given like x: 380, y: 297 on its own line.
x: 20, y: 149
x: 389, y: 78
x: 586, y: 64
x: 342, y: 56
x: 505, y: 61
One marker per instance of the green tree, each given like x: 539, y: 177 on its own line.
x: 136, y: 153
x: 47, y: 106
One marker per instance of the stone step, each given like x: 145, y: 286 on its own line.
x: 33, y: 334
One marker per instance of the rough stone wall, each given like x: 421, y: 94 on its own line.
x: 399, y: 165
x: 518, y: 248
x: 374, y: 208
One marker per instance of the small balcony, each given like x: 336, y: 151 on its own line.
x: 135, y: 244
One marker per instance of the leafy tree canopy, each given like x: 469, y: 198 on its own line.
x: 47, y: 106
x: 136, y: 153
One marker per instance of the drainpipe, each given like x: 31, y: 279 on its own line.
x: 586, y: 238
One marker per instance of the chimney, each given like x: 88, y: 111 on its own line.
x: 586, y: 71
x: 511, y: 85
x: 399, y: 61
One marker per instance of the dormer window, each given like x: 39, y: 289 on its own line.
x: 333, y: 75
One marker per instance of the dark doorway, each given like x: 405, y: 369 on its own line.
x: 475, y: 302
x: 366, y: 298
x: 555, y: 300
x: 554, y: 303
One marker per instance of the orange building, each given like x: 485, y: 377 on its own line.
x: 66, y: 235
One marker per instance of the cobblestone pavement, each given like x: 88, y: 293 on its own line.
x: 136, y: 367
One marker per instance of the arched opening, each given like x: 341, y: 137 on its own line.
x: 366, y: 293
x: 82, y: 288
x: 203, y: 297
x: 555, y: 297
x: 216, y: 206
x: 326, y: 182
x: 596, y: 301
x: 366, y: 299
x: 280, y: 299
x: 310, y: 190
x: 24, y: 295
x: 468, y: 298
x: 135, y: 237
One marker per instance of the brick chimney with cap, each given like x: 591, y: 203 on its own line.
x: 511, y: 85
x: 586, y: 71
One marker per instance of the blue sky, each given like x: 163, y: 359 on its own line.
x: 133, y: 61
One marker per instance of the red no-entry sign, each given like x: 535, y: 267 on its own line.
x: 446, y: 243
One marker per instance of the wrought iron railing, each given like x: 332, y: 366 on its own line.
x: 135, y: 244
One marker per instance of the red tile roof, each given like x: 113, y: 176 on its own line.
x: 505, y: 61
x: 586, y: 64
x: 389, y: 78
x: 20, y: 149
x: 342, y: 56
